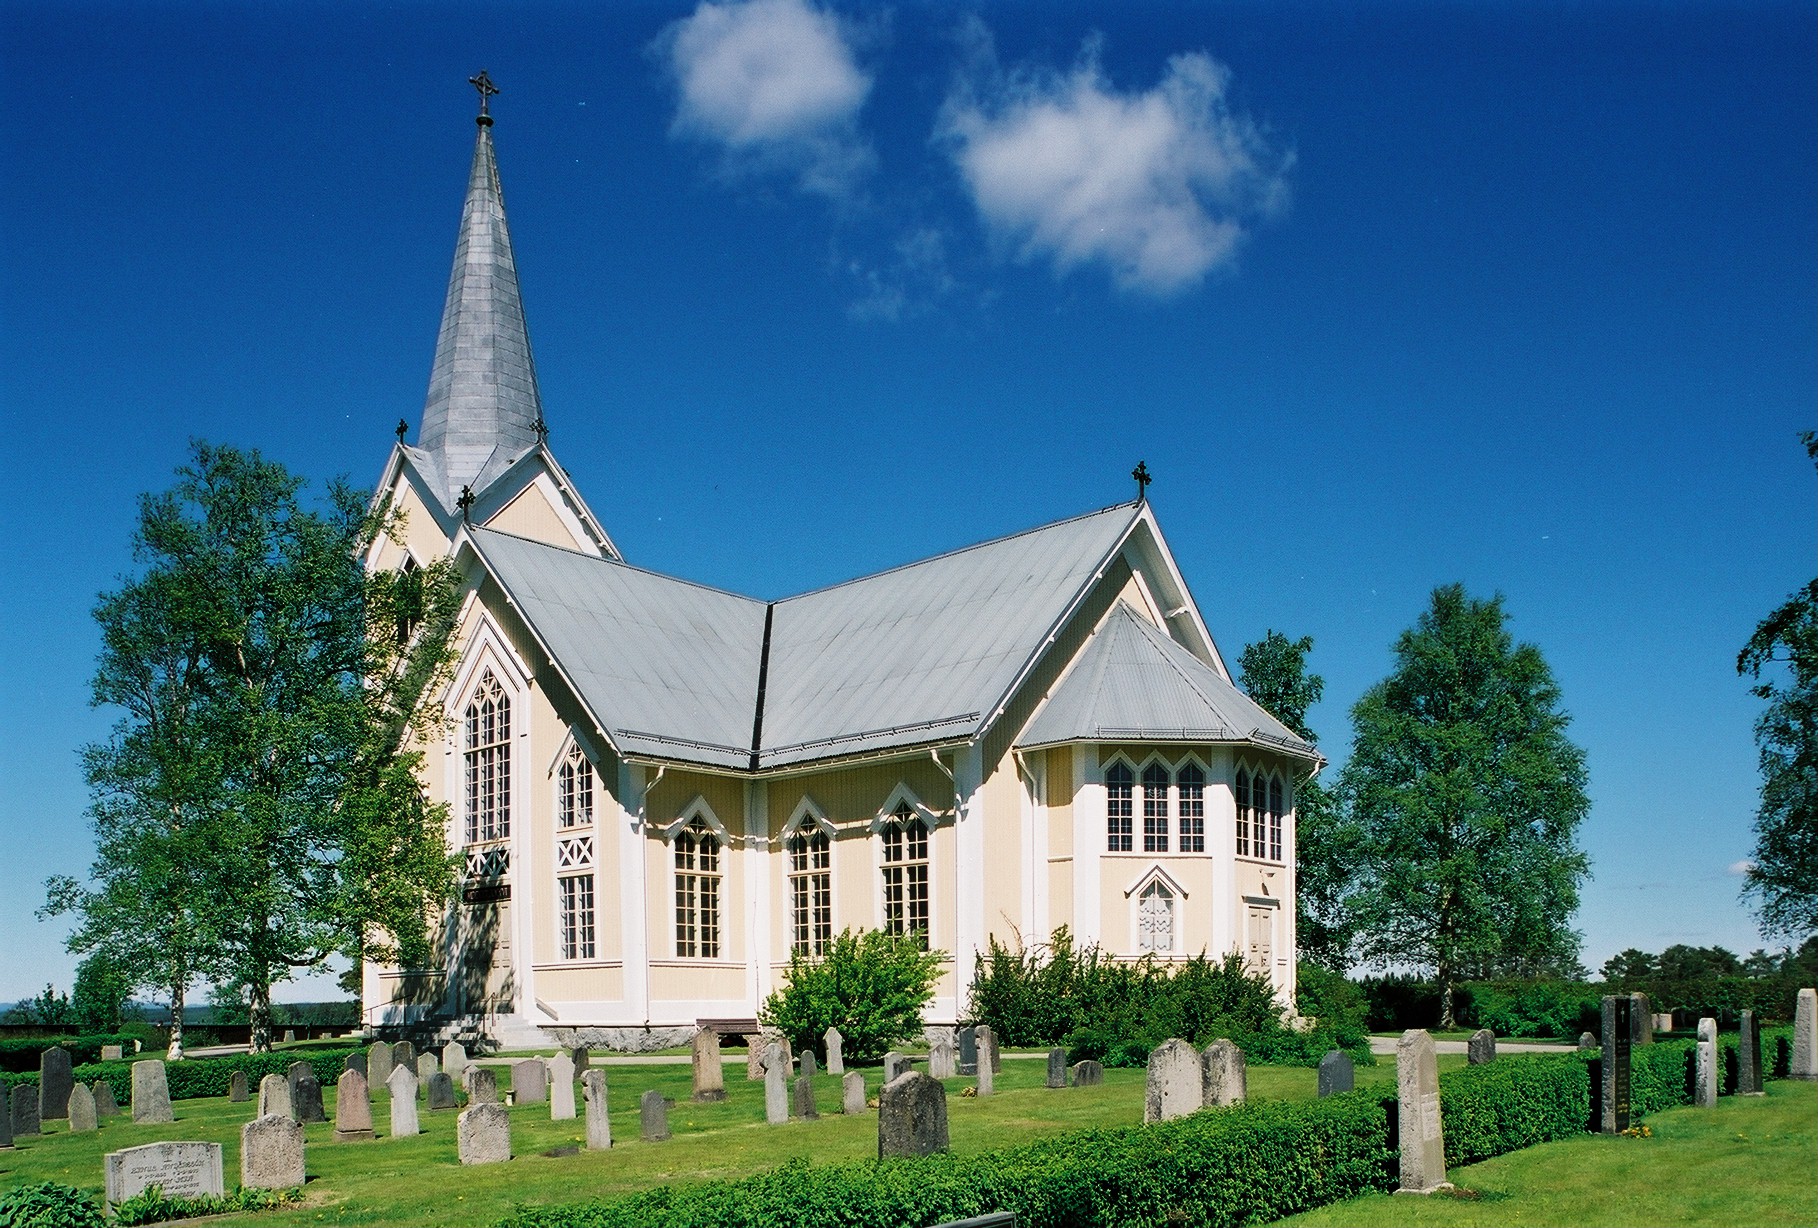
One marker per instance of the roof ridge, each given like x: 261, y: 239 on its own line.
x: 1149, y: 631
x: 600, y: 558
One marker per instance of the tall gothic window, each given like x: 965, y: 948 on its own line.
x: 1155, y: 919
x: 1155, y: 809
x: 1276, y: 811
x: 1242, y: 789
x: 576, y: 920
x: 906, y: 873
x: 811, y: 890
x: 697, y: 892
x: 574, y: 790
x: 1191, y: 782
x: 488, y: 762
x: 1120, y: 784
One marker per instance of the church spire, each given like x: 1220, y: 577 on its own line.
x: 483, y: 407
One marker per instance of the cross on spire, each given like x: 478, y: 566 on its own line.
x: 1141, y: 474
x: 487, y: 89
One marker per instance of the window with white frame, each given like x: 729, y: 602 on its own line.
x: 488, y: 761
x: 1155, y: 919
x: 1155, y: 808
x: 1190, y: 787
x: 574, y: 790
x: 575, y: 892
x: 810, y: 890
x: 1276, y: 811
x: 905, y: 871
x: 1261, y: 810
x: 1241, y: 787
x: 697, y: 891
x: 1120, y: 785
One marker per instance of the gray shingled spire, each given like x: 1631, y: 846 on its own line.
x: 483, y: 409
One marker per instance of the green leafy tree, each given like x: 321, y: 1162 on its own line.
x: 1630, y: 965
x: 1467, y: 795
x: 99, y: 997
x: 257, y: 809
x: 871, y: 985
x: 1783, y: 873
x: 1274, y: 674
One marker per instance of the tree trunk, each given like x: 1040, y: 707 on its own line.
x: 1447, y: 1021
x: 259, y: 992
x: 175, y: 1052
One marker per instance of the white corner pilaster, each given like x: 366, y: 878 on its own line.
x: 969, y: 870
x: 1088, y: 846
x: 1228, y: 911
x: 634, y: 913
x: 759, y: 956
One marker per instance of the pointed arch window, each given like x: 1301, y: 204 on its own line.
x: 905, y: 872
x: 488, y: 761
x: 574, y: 790
x: 1155, y: 919
x: 697, y: 891
x: 1242, y: 789
x: 1120, y: 787
x: 1190, y: 783
x: 810, y: 890
x: 1276, y: 811
x: 1155, y: 809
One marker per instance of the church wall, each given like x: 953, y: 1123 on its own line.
x: 531, y: 515
x: 420, y: 532
x: 684, y: 988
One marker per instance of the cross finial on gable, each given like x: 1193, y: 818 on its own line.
x: 465, y: 503
x: 403, y: 429
x: 487, y: 89
x: 542, y: 429
x: 1141, y: 474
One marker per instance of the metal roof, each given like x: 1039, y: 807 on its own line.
x: 1134, y: 683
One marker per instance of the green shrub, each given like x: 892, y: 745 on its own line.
x: 1534, y: 1008
x: 1399, y: 1001
x: 152, y: 1207
x: 207, y: 1076
x: 1512, y: 1103
x: 49, y: 1205
x: 1250, y: 1163
x: 21, y: 1055
x: 1660, y: 1076
x: 871, y: 985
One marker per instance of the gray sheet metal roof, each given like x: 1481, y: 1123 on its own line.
x: 1134, y: 683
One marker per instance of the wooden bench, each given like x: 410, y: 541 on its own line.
x: 728, y: 1027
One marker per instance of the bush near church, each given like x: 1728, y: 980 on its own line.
x: 871, y: 985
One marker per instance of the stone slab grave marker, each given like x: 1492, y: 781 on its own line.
x: 105, y: 1104
x: 987, y: 1074
x: 237, y: 1092
x: 1805, y: 1036
x: 271, y: 1153
x: 1481, y: 1047
x: 561, y: 1088
x: 482, y: 1085
x: 1641, y: 1020
x: 356, y: 1061
x: 290, y: 1036
x: 754, y: 1054
x: 709, y: 1070
x: 439, y: 1092
x: 942, y: 1063
x: 1587, y: 1040
x: 183, y: 1169
x: 809, y: 1065
x: 112, y: 1053
x: 403, y: 1088
x: 309, y: 1100
x: 583, y: 1062
x: 378, y: 1065
x: 295, y: 1074
x: 80, y: 1110
x: 803, y: 1098
x: 1175, y: 1085
x: 6, y: 1118
x: 1087, y: 1073
x: 529, y: 1081
x: 895, y: 1066
x: 25, y: 1111
x: 1748, y: 1057
x: 1336, y: 1073
x: 968, y: 1050
x: 483, y: 1134
x: 1225, y: 1076
x: 403, y: 1054
x: 1423, y: 1142
x: 1057, y: 1068
x: 987, y: 1044
x: 1707, y: 1073
x: 151, y: 1092
x: 599, y: 1124
x: 1613, y: 1113
x: 836, y: 1051
x: 776, y: 1087
x: 353, y: 1108
x: 54, y: 1083
x: 911, y: 1116
x: 1663, y: 1021
x: 274, y: 1096
x: 426, y: 1066
x: 653, y: 1114
x: 454, y: 1059
x: 852, y: 1092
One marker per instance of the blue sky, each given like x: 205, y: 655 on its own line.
x: 1386, y: 296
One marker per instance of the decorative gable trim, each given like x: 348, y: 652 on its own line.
x: 1153, y: 874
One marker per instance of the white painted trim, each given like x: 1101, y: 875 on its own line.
x: 1178, y: 943
x: 634, y: 912
x: 1221, y: 836
x: 701, y: 809
x: 1088, y: 844
x: 903, y: 793
x: 1148, y: 876
x: 807, y: 811
x: 756, y: 863
x: 969, y: 856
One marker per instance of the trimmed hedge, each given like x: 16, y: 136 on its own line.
x: 20, y: 1055
x: 206, y: 1076
x: 1509, y: 1104
x: 1251, y: 1163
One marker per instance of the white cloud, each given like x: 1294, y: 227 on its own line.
x: 776, y: 85
x: 1157, y: 186
x: 1741, y: 868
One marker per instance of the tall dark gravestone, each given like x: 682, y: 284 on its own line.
x: 1748, y: 1057
x: 968, y: 1050
x: 1337, y: 1075
x: 55, y: 1082
x: 1613, y: 1116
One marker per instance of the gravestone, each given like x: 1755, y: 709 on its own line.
x: 754, y: 1054
x: 1748, y: 1057
x: 1481, y: 1047
x: 582, y: 1061
x: 25, y: 1111
x: 1587, y: 1040
x: 236, y: 1088
x: 403, y: 1088
x: 290, y: 1036
x: 836, y: 1051
x: 271, y: 1153
x: 356, y: 1061
x: 1706, y: 1073
x: 80, y: 1110
x: 184, y: 1170
x: 987, y: 1044
x: 309, y: 1100
x: 6, y: 1118
x: 968, y: 1050
x: 1805, y: 1036
x: 439, y: 1092
x: 483, y: 1134
x: 987, y: 1079
x: 294, y: 1074
x: 1087, y: 1073
x: 403, y: 1054
x: 776, y: 1087
x: 112, y: 1053
x: 454, y: 1059
x: 1057, y: 1068
x: 105, y: 1104
x: 599, y: 1125
x: 378, y: 1065
x: 561, y: 1088
x: 911, y: 1116
x: 482, y: 1085
x: 426, y: 1066
x: 353, y: 1108
x: 852, y: 1092
x: 895, y: 1066
x: 941, y: 1058
x: 151, y: 1092
x: 529, y: 1081
x: 709, y: 1070
x: 1175, y: 1086
x: 274, y: 1096
x: 803, y: 1106
x: 653, y: 1114
x: 1663, y: 1021
x: 1641, y: 1020
x: 1225, y: 1077
x: 986, y: 1038
x: 1613, y: 1115
x: 54, y: 1083
x: 809, y: 1066
x: 1336, y: 1073
x: 1423, y: 1144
